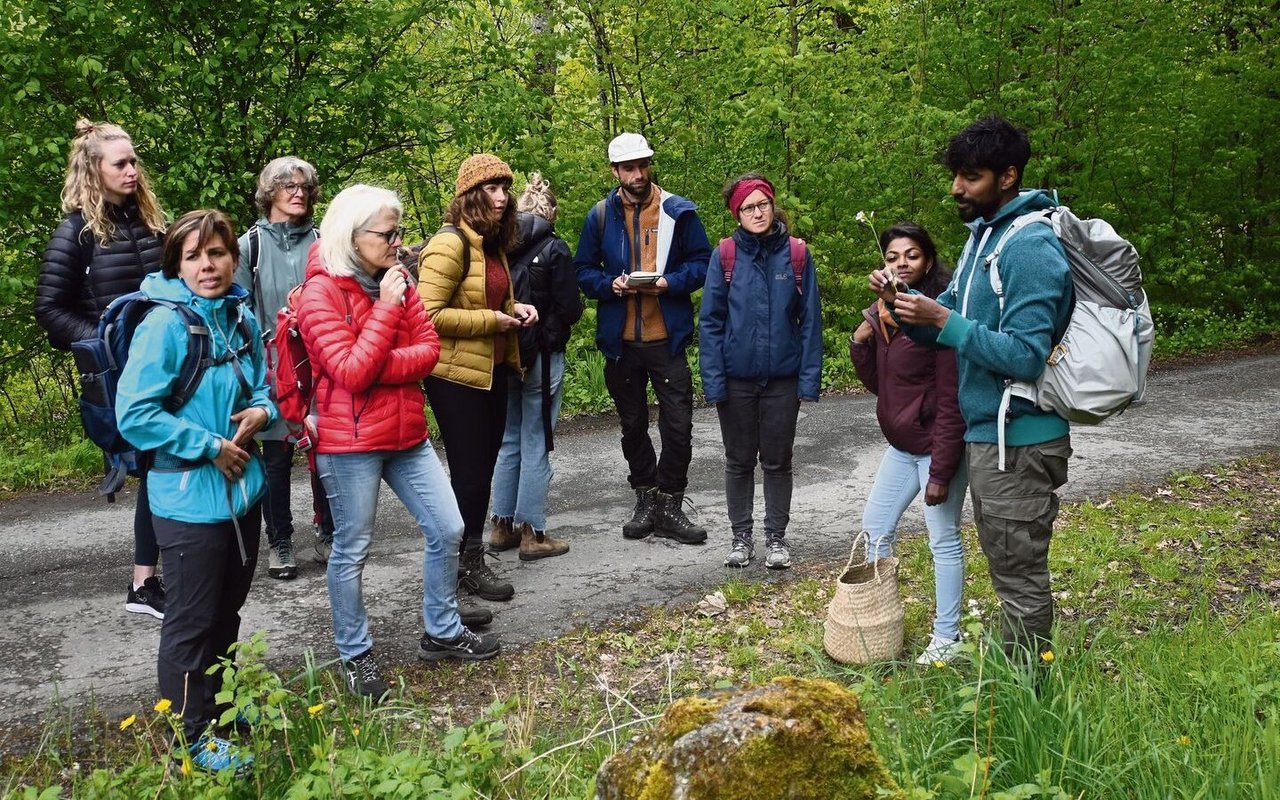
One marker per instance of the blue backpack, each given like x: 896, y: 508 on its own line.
x: 100, y: 360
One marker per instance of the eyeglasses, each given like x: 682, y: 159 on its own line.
x: 298, y: 188
x: 393, y: 235
x: 758, y: 208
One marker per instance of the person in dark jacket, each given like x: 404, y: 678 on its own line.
x: 108, y: 241
x: 207, y: 479
x: 643, y: 328
x: 273, y: 260
x: 543, y: 276
x: 919, y: 412
x: 760, y: 355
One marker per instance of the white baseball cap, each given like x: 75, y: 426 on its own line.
x: 629, y: 147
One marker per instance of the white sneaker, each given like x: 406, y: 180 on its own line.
x: 939, y: 651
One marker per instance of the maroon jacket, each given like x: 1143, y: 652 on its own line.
x: 916, y: 396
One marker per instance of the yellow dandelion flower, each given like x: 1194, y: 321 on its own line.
x: 355, y: 731
x: 164, y: 705
x: 127, y: 721
x: 1185, y: 741
x: 1047, y: 656
x: 316, y: 709
x: 940, y: 664
x: 186, y: 766
x: 212, y: 746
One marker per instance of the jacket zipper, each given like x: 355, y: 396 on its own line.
x: 635, y: 263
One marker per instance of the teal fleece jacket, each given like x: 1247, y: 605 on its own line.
x: 192, y: 432
x: 1038, y: 299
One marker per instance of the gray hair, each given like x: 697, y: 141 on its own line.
x: 537, y: 198
x: 279, y: 172
x: 348, y: 212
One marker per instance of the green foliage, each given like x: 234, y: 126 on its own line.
x: 1158, y: 116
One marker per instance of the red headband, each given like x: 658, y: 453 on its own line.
x: 744, y: 188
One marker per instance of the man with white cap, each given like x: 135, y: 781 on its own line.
x: 642, y: 253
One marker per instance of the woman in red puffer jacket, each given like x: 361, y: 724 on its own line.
x: 371, y: 344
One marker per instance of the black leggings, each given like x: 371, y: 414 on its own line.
x: 146, y: 553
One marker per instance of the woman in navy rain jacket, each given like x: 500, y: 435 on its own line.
x: 760, y: 354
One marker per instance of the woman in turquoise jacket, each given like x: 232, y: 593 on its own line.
x: 207, y: 480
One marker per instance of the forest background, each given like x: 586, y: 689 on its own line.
x: 1158, y: 115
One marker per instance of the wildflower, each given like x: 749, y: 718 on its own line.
x: 1047, y: 656
x: 940, y: 664
x: 164, y: 705
x: 861, y: 217
x: 355, y: 731
x: 1184, y: 740
x: 212, y: 746
x: 316, y: 709
x: 186, y: 766
x: 127, y: 721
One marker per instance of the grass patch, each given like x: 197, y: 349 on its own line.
x: 1163, y: 683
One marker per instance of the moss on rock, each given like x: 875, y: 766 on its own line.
x: 794, y: 738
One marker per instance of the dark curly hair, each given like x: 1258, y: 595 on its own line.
x: 937, y: 278
x: 473, y: 208
x: 991, y: 143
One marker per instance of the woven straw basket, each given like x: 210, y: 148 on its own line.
x: 864, y: 620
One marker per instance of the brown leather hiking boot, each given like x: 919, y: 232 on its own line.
x: 504, y: 535
x: 537, y: 544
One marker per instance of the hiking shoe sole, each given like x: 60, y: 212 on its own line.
x: 143, y: 608
x: 283, y: 573
x: 681, y: 538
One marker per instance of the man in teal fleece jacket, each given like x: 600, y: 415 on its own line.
x: 1014, y: 508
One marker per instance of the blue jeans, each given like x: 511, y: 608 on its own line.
x: 415, y: 475
x: 523, y: 474
x: 899, y: 480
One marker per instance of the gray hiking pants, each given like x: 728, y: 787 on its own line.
x: 1014, y: 511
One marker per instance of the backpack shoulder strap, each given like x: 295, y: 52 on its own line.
x: 466, y: 246
x: 728, y: 255
x: 600, y: 208
x: 197, y: 359
x: 798, y: 251
x: 993, y: 258
x: 255, y: 250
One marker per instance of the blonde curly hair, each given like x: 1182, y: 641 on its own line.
x: 537, y: 198
x: 82, y: 190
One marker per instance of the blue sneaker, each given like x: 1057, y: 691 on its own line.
x: 214, y: 754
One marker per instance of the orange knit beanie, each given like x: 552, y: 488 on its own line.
x: 478, y: 169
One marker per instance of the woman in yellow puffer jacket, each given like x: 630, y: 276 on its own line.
x: 466, y: 286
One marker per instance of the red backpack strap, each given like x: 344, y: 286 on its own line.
x: 798, y: 252
x: 728, y: 254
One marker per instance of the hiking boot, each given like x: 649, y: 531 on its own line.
x: 939, y: 651
x: 364, y: 679
x: 643, y: 518
x: 466, y: 646
x: 147, y: 598
x: 281, y: 564
x: 537, y: 544
x: 778, y: 556
x: 743, y: 550
x: 474, y: 616
x: 504, y: 535
x: 475, y: 577
x: 214, y: 754
x: 324, y: 546
x: 671, y: 523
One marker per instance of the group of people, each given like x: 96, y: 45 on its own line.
x: 476, y: 320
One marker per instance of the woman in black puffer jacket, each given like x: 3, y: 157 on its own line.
x: 109, y: 239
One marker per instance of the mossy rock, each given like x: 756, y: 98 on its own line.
x: 795, y: 738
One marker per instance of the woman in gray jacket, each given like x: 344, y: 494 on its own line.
x: 273, y: 260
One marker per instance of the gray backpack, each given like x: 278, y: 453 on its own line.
x: 1099, y: 367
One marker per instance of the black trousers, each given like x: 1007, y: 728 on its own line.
x: 759, y: 421
x: 627, y: 380
x: 205, y: 586
x: 146, y: 553
x: 471, y: 422
x: 277, y: 461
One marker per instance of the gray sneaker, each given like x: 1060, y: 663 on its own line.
x: 778, y: 556
x: 743, y: 550
x: 281, y: 564
x: 324, y: 546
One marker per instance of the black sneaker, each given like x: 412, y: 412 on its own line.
x: 642, y: 519
x: 147, y: 598
x: 476, y: 577
x: 474, y: 617
x: 673, y: 524
x: 364, y: 679
x: 466, y: 646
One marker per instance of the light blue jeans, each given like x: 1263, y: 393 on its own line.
x: 899, y: 481
x: 352, y: 481
x: 522, y: 477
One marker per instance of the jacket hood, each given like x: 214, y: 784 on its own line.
x: 315, y: 265
x: 175, y: 290
x: 531, y: 231
x: 286, y: 233
x: 1028, y: 200
x: 777, y: 237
